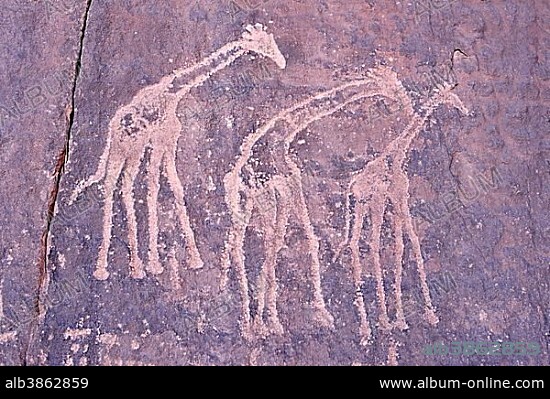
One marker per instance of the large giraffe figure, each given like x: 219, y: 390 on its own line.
x: 383, y: 180
x: 243, y: 186
x: 150, y: 120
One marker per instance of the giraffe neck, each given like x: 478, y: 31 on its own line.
x: 300, y: 115
x: 344, y: 95
x: 209, y: 62
x: 200, y: 75
x: 402, y: 144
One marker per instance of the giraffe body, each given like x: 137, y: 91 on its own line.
x: 150, y: 121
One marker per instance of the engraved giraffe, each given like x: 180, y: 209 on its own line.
x: 150, y: 121
x: 284, y: 189
x: 380, y: 181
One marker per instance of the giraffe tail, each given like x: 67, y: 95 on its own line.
x: 99, y: 174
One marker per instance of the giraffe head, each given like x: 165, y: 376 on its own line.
x: 256, y: 39
x: 386, y: 79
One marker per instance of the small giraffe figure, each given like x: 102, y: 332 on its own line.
x: 281, y: 193
x: 383, y: 180
x: 150, y: 121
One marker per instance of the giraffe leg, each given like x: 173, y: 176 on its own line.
x: 268, y: 218
x: 175, y: 279
x: 153, y: 186
x: 227, y: 250
x: 400, y: 323
x: 347, y: 229
x: 377, y: 215
x: 195, y: 261
x: 99, y: 174
x: 128, y: 177
x: 111, y: 179
x: 236, y: 216
x: 393, y: 353
x: 323, y: 315
x: 274, y: 322
x: 359, y: 302
x: 237, y: 254
x: 415, y: 241
x: 280, y: 222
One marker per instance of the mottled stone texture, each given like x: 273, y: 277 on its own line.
x: 478, y: 183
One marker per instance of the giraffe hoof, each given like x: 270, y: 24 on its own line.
x: 154, y: 268
x: 246, y: 333
x: 101, y: 274
x: 260, y: 328
x: 432, y: 317
x: 384, y: 324
x: 325, y: 319
x: 401, y: 325
x: 366, y: 340
x: 365, y: 333
x: 137, y: 274
x: 276, y: 328
x: 196, y: 263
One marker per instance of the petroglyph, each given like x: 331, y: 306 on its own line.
x: 382, y: 182
x: 281, y: 185
x: 149, y: 121
x: 268, y: 190
x: 175, y: 278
